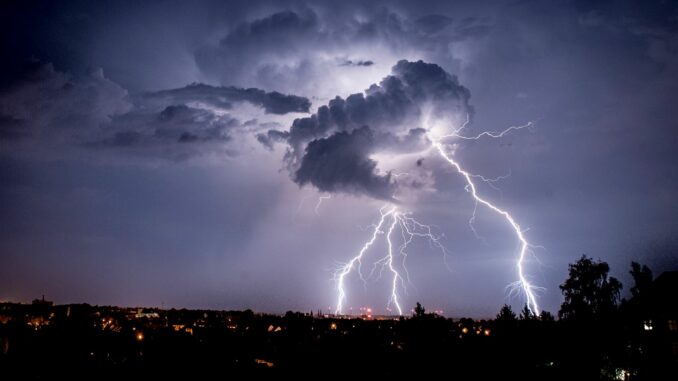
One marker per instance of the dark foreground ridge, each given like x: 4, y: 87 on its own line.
x: 637, y: 340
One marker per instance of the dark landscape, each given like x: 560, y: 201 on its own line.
x: 594, y: 338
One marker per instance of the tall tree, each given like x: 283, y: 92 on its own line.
x: 588, y: 290
x: 546, y: 316
x: 419, y: 311
x: 506, y: 314
x: 642, y: 277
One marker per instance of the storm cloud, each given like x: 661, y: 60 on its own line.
x: 178, y: 174
x: 308, y: 41
x: 49, y: 104
x: 46, y: 107
x: 331, y: 149
x: 224, y: 97
x: 341, y: 163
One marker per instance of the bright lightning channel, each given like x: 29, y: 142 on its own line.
x: 396, y: 276
x: 391, y: 219
x: 341, y: 273
x: 527, y: 288
x: 411, y: 228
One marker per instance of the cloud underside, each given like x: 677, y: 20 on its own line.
x: 286, y: 48
x: 332, y: 148
x: 45, y: 106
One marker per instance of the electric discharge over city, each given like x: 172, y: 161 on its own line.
x: 393, y: 219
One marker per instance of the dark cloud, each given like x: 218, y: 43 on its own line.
x: 50, y: 108
x: 313, y: 41
x: 183, y: 123
x: 394, y: 105
x: 50, y: 105
x: 224, y: 97
x: 187, y: 137
x: 271, y: 137
x: 341, y: 163
x: 276, y: 26
x: 356, y: 63
x: 280, y: 34
x: 388, y: 116
x: 174, y: 124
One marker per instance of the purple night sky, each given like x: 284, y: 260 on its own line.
x: 174, y: 153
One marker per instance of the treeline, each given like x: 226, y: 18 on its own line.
x: 594, y: 336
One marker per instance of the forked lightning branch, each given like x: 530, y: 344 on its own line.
x: 393, y: 219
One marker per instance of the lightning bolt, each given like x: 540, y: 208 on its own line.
x: 527, y: 288
x: 391, y: 219
x: 491, y: 134
x: 341, y: 273
x: 320, y: 201
x: 490, y: 182
x: 396, y: 275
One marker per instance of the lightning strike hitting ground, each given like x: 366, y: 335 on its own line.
x: 389, y: 262
x: 527, y: 288
x: 340, y: 275
x: 409, y: 228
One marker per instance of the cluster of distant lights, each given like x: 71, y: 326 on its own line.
x: 368, y: 312
x: 393, y: 219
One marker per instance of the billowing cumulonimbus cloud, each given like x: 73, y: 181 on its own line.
x: 312, y: 42
x: 341, y: 163
x: 45, y: 106
x: 332, y: 148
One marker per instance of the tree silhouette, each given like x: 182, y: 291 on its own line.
x: 526, y: 314
x: 419, y: 311
x: 642, y: 277
x: 588, y: 290
x: 546, y: 316
x: 506, y: 314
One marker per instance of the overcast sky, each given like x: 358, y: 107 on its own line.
x: 167, y: 153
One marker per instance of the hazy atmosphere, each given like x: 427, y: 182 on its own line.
x: 234, y: 155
